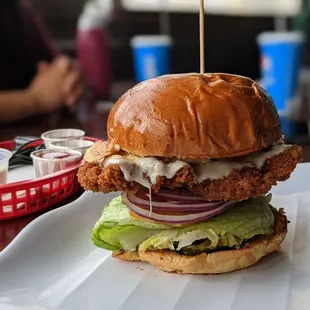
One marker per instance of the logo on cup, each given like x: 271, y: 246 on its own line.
x: 266, y: 63
x: 150, y: 66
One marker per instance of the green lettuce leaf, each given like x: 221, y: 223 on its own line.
x: 178, y: 238
x: 117, y: 230
x: 160, y: 241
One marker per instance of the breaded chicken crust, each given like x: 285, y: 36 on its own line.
x: 237, y: 186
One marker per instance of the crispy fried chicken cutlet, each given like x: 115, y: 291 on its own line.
x: 195, y: 156
x: 238, y: 185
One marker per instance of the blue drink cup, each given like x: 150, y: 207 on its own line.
x: 151, y: 55
x: 280, y: 64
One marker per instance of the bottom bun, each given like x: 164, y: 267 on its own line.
x: 216, y: 262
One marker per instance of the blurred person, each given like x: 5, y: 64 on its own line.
x: 34, y: 79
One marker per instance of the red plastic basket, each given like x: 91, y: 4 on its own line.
x: 27, y: 197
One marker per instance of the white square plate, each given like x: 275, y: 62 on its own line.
x: 52, y: 264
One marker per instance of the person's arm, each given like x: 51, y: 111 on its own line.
x: 55, y: 85
x: 15, y: 105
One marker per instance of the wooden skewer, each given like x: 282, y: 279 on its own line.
x: 202, y: 36
x: 164, y: 18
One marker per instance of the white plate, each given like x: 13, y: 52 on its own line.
x: 53, y: 264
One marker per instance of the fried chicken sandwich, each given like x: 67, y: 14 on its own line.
x: 194, y: 157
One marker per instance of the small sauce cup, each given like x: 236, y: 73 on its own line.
x: 77, y: 145
x: 50, y: 161
x: 61, y: 135
x: 5, y: 156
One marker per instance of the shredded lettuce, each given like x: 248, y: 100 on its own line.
x: 117, y: 230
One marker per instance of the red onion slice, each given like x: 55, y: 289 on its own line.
x: 172, y: 206
x: 177, y: 219
x: 159, y: 197
x: 195, y: 216
x: 178, y: 192
x: 180, y: 200
x: 178, y: 196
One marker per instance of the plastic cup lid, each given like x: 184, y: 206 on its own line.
x: 150, y: 40
x: 63, y: 134
x: 5, y: 155
x: 270, y: 37
x: 72, y: 143
x: 48, y: 155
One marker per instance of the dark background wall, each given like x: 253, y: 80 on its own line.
x: 230, y: 40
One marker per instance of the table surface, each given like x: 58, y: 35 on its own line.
x: 92, y: 119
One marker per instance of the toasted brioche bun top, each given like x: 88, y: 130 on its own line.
x: 194, y: 116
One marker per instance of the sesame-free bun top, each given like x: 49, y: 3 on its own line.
x: 194, y: 116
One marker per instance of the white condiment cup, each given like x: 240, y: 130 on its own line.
x: 61, y: 135
x: 5, y: 156
x: 77, y: 145
x: 45, y: 162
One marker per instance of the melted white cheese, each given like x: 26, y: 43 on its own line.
x: 259, y: 158
x: 145, y: 170
x: 217, y: 169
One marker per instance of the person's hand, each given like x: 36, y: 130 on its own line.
x: 74, y: 85
x: 57, y: 84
